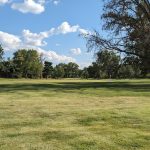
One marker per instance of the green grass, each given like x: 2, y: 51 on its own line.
x: 74, y: 114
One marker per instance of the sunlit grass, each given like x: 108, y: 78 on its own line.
x: 74, y: 114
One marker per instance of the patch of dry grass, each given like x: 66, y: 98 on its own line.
x: 74, y: 114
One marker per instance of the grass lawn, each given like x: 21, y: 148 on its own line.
x: 74, y: 114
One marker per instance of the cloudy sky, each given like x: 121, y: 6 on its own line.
x: 50, y: 26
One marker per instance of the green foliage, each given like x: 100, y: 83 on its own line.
x: 1, y: 59
x: 71, y: 70
x: 1, y: 53
x: 106, y: 65
x: 94, y: 71
x: 48, y: 69
x: 59, y: 71
x: 85, y: 73
x: 8, y: 69
x: 126, y: 71
x: 110, y: 65
x: 130, y: 68
x: 28, y: 63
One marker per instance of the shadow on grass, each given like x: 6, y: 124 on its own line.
x: 65, y: 86
x: 115, y: 120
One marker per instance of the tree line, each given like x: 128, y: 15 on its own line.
x: 108, y: 64
x: 29, y: 64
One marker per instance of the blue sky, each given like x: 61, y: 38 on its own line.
x: 50, y: 26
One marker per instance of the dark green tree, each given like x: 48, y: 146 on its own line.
x: 1, y: 59
x: 1, y: 53
x: 94, y: 71
x: 108, y: 63
x: 126, y: 71
x: 48, y: 69
x: 59, y: 71
x: 85, y: 73
x: 8, y: 70
x: 71, y: 70
x: 130, y: 68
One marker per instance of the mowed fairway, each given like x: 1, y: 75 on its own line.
x: 74, y: 114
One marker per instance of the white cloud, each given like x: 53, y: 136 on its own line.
x: 83, y: 31
x: 29, y: 6
x: 31, y: 40
x: 65, y: 28
x: 34, y: 38
x: 3, y: 1
x: 56, y: 2
x: 76, y: 51
x: 53, y: 56
x: 9, y: 41
x: 12, y: 42
x: 37, y: 39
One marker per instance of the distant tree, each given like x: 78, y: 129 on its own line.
x: 1, y: 59
x: 8, y: 69
x: 28, y: 63
x: 1, y: 53
x: 48, y: 69
x: 130, y: 68
x: 126, y: 71
x: 71, y: 70
x: 94, y: 71
x: 136, y: 64
x: 59, y: 71
x: 85, y: 73
x: 63, y: 68
x: 108, y: 63
x: 20, y: 61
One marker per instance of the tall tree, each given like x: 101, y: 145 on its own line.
x: 94, y: 71
x: 84, y: 73
x: 128, y: 23
x: 59, y: 71
x: 48, y: 69
x: 71, y: 70
x: 1, y: 53
x: 1, y: 59
x: 9, y: 69
x: 28, y: 63
x: 108, y: 63
x: 130, y: 67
